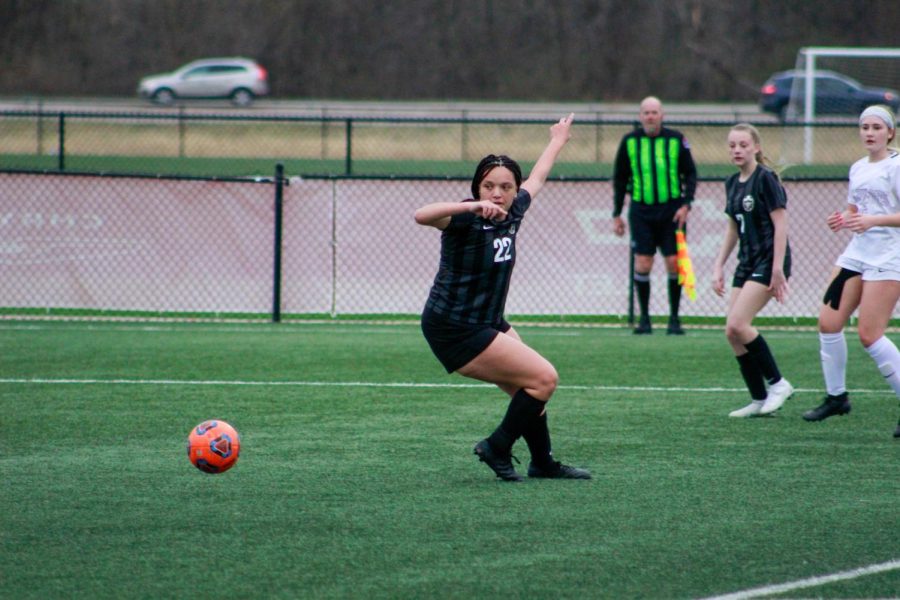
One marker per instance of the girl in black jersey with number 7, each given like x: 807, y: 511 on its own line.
x: 757, y: 206
x: 463, y: 320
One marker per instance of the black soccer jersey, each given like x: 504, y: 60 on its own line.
x: 750, y: 204
x: 477, y: 260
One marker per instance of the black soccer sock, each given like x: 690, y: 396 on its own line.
x: 674, y: 295
x: 522, y: 409
x: 759, y: 350
x: 642, y: 283
x: 537, y: 436
x: 753, y: 377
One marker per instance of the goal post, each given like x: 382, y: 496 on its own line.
x: 808, y: 58
x: 821, y: 69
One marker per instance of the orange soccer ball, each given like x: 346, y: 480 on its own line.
x: 214, y: 446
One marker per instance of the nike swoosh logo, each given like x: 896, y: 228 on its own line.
x: 756, y: 275
x: 487, y: 227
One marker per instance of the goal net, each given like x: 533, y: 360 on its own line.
x: 829, y: 87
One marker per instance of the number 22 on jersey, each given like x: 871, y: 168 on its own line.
x: 502, y: 249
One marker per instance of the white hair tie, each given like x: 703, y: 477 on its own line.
x: 881, y: 113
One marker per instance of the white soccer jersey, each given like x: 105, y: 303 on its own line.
x: 875, y: 190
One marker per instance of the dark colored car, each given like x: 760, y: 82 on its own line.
x: 835, y: 94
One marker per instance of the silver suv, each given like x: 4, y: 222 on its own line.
x: 239, y: 79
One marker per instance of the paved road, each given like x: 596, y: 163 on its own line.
x: 718, y: 112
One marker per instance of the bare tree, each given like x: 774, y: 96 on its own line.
x: 433, y: 49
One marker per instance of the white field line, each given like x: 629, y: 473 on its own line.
x: 142, y: 324
x: 781, y: 588
x: 381, y: 384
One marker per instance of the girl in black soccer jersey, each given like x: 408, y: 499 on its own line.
x: 463, y: 319
x: 756, y: 205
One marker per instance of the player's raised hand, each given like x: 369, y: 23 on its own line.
x: 562, y: 129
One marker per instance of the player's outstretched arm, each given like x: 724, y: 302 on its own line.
x: 439, y: 214
x: 559, y: 134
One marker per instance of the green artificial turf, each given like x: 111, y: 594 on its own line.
x: 357, y: 480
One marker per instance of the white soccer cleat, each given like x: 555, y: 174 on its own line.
x: 780, y: 391
x: 751, y: 410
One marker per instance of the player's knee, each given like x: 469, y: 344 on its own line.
x: 869, y: 335
x: 643, y: 263
x: 735, y: 332
x: 830, y: 324
x: 545, y: 382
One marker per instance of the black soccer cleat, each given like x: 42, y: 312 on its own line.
x: 831, y: 405
x: 643, y: 327
x: 674, y: 327
x: 557, y: 470
x: 500, y: 463
x: 897, y: 431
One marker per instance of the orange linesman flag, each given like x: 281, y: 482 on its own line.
x: 686, y: 277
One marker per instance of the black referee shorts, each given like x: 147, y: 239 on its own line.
x: 653, y: 227
x: 455, y: 344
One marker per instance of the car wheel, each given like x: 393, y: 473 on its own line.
x: 782, y: 113
x: 242, y: 97
x: 164, y: 96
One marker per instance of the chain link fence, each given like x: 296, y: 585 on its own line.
x: 183, y: 143
x: 263, y: 247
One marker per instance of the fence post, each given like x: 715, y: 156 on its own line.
x: 276, y: 275
x: 61, y: 159
x: 464, y: 137
x: 348, y: 161
x: 630, y: 284
x: 323, y: 135
x: 40, y: 128
x: 181, y: 131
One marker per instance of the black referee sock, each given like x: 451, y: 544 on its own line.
x: 522, y: 411
x: 642, y: 283
x: 753, y: 377
x: 537, y: 436
x: 674, y: 295
x: 759, y: 350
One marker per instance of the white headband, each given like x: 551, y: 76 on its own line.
x: 881, y: 113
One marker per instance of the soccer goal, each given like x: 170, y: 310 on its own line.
x: 836, y: 84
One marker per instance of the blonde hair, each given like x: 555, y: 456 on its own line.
x: 754, y: 133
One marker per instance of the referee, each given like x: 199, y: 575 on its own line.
x: 654, y: 165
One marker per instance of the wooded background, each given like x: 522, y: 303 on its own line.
x: 542, y: 50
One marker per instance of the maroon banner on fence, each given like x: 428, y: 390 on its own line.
x: 349, y: 246
x: 135, y: 244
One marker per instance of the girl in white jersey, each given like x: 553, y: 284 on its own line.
x: 867, y: 274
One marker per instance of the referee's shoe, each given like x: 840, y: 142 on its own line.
x: 674, y: 327
x: 643, y: 327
